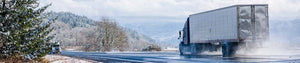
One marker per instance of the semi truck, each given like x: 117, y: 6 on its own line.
x: 224, y: 29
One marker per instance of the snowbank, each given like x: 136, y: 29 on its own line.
x: 66, y: 59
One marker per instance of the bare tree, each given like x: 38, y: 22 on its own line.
x: 110, y: 35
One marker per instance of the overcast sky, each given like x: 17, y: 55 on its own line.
x: 134, y: 12
x: 165, y: 10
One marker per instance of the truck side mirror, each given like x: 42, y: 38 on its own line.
x: 179, y: 35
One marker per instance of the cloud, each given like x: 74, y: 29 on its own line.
x: 285, y: 10
x: 278, y: 9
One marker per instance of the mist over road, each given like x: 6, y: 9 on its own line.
x: 174, y: 57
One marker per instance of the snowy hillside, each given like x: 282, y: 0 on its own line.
x: 70, y: 29
x: 165, y: 32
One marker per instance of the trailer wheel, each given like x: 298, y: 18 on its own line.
x: 229, y: 48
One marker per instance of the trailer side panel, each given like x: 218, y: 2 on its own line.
x: 215, y: 25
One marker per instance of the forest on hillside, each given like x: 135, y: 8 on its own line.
x: 81, y: 33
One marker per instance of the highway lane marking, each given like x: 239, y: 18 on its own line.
x: 122, y: 59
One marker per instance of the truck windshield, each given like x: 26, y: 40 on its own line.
x: 56, y: 45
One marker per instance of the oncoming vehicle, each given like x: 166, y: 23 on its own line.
x: 56, y: 48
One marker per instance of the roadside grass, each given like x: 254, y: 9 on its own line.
x: 22, y: 60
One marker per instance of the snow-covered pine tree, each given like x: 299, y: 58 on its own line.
x: 24, y: 32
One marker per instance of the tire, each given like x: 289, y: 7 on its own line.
x: 180, y: 48
x: 180, y: 51
x: 229, y: 49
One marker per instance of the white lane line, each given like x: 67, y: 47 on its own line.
x: 123, y: 59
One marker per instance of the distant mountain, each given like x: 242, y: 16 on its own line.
x: 164, y: 32
x: 137, y: 40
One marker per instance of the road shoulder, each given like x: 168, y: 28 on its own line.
x: 66, y: 59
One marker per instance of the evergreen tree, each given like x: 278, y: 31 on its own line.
x: 23, y: 30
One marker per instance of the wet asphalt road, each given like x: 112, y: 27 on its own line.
x: 174, y: 57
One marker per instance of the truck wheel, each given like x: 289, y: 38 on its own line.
x: 229, y: 48
x: 180, y: 53
x: 180, y: 48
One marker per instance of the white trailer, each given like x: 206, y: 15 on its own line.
x: 226, y: 27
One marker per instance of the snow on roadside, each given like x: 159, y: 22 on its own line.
x: 66, y: 59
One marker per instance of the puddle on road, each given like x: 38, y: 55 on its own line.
x: 239, y: 58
